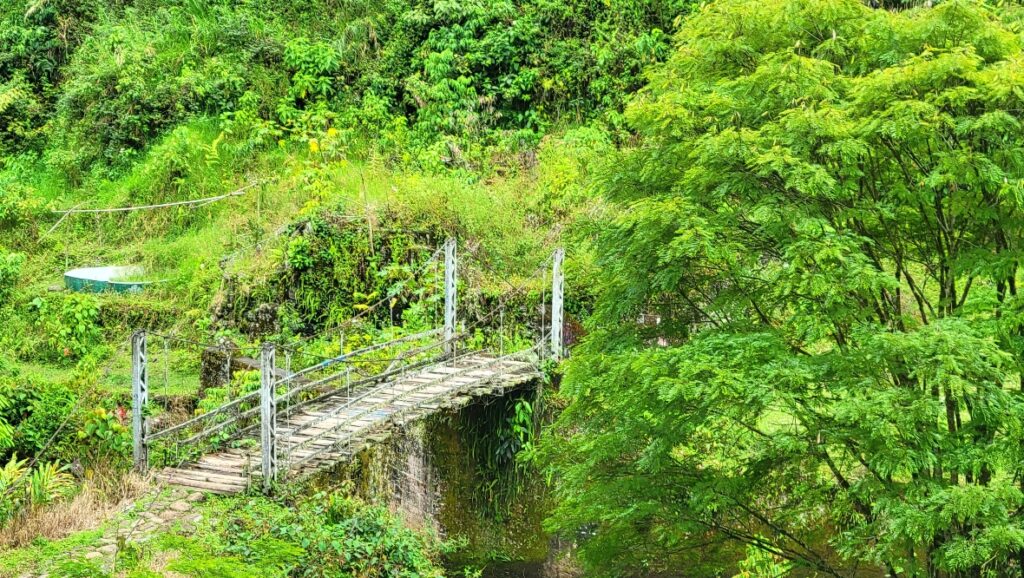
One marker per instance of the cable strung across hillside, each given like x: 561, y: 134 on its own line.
x: 204, y: 201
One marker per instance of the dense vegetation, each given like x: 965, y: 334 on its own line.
x: 794, y: 244
x: 357, y: 135
x: 315, y: 536
x: 824, y: 213
x: 417, y: 81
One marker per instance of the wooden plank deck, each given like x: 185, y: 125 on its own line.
x: 331, y: 430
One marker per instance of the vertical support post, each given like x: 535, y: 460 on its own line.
x: 557, y: 313
x: 268, y: 416
x: 450, y: 296
x: 140, y: 397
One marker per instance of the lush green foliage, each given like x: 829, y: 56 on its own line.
x: 105, y: 436
x: 323, y: 536
x: 24, y: 486
x: 36, y: 412
x: 72, y: 329
x: 825, y: 217
x: 36, y: 40
x: 433, y: 83
x: 10, y: 270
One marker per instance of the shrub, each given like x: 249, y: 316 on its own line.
x: 105, y: 435
x: 130, y: 83
x: 36, y: 413
x: 72, y: 330
x: 20, y: 116
x: 326, y: 536
x: 19, y: 203
x: 10, y: 270
x: 34, y: 45
x: 22, y: 487
x: 313, y: 67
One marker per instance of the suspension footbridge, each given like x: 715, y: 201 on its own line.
x: 299, y: 423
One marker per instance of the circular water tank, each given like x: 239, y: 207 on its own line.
x: 99, y: 279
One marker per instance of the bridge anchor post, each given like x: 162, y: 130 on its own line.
x: 557, y: 305
x: 268, y: 417
x: 450, y: 295
x: 140, y: 398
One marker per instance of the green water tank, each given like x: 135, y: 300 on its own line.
x: 99, y: 279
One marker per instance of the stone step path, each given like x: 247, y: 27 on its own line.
x: 162, y: 510
x: 331, y: 430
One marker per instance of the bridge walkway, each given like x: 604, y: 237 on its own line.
x: 334, y: 429
x: 300, y: 423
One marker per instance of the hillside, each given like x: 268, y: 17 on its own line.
x: 792, y: 233
x: 341, y: 142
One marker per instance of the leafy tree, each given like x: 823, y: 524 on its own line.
x: 36, y: 40
x: 92, y: 84
x: 824, y: 215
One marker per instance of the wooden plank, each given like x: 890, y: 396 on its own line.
x: 205, y: 476
x: 310, y: 442
x: 205, y: 486
x: 214, y: 469
x: 224, y: 458
x: 252, y: 455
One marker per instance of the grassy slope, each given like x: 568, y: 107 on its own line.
x: 194, y: 248
x: 511, y: 214
x: 191, y: 249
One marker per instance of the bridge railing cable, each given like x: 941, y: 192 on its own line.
x: 351, y: 401
x: 357, y: 374
x: 353, y: 356
x: 297, y: 462
x: 536, y: 279
x: 408, y: 359
x: 390, y: 402
x: 236, y: 415
x: 345, y: 419
x: 211, y: 427
x: 393, y: 372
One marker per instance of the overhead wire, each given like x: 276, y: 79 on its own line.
x: 203, y: 201
x: 499, y: 310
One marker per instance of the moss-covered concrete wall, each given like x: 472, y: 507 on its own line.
x: 457, y: 474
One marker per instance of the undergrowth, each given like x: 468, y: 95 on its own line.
x: 325, y: 535
x: 343, y: 141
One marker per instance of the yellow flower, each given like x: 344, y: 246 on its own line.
x: 332, y: 132
x: 314, y: 145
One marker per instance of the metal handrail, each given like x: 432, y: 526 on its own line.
x: 216, y: 411
x: 369, y: 349
x: 290, y: 451
x: 214, y: 429
x: 350, y: 402
x: 255, y: 394
x: 361, y: 382
x: 335, y: 376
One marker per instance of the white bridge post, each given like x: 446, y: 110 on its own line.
x: 140, y: 398
x: 450, y: 296
x: 268, y: 417
x: 557, y: 310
